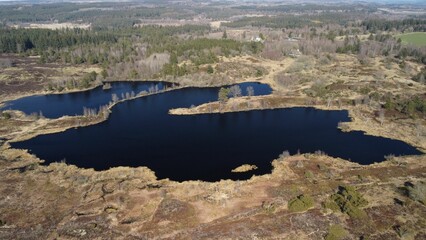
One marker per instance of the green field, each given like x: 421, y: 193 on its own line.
x: 415, y: 38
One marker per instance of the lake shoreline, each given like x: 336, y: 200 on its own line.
x: 99, y: 118
x: 355, y: 124
x: 13, y: 97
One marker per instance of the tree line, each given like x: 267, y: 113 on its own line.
x: 22, y: 40
x: 104, y: 15
x: 412, y: 24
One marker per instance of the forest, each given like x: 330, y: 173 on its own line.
x: 121, y: 47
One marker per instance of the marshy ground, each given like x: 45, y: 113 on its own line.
x: 63, y: 201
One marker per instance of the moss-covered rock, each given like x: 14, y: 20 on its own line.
x: 349, y: 201
x: 416, y: 192
x: 330, y: 204
x: 336, y: 232
x: 300, y: 203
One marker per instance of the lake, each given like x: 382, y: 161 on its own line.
x: 58, y: 105
x: 206, y: 147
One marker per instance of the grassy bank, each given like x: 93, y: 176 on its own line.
x: 415, y: 38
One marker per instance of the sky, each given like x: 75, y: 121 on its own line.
x: 317, y: 1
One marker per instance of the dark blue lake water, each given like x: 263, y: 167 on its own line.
x: 58, y: 105
x: 205, y: 147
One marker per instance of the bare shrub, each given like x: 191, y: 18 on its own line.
x: 416, y: 192
x: 275, y: 50
x: 318, y: 89
x: 381, y: 115
x: 286, y: 80
x: 295, y: 67
x: 319, y: 153
x: 284, y: 154
x: 302, y: 63
x: 343, y: 126
x: 6, y: 63
x: 324, y: 60
x: 316, y: 46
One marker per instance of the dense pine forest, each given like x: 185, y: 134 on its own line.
x: 135, y: 41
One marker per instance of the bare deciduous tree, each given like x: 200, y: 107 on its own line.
x: 114, y: 98
x: 89, y: 112
x: 329, y: 101
x: 419, y: 130
x: 381, y: 116
x: 286, y: 80
x: 235, y: 91
x: 250, y: 91
x: 422, y: 79
x: 339, y: 102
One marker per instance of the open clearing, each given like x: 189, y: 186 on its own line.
x: 415, y: 38
x: 53, y: 25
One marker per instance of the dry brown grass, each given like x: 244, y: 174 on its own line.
x: 61, y: 201
x: 27, y: 76
x: 127, y: 202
